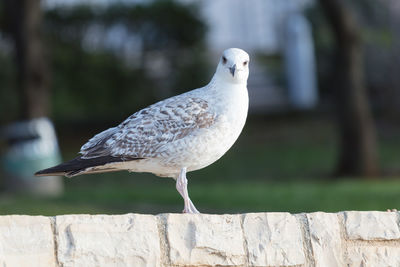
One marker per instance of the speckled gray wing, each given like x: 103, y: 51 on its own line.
x: 144, y: 133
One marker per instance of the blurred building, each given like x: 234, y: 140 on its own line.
x: 261, y: 27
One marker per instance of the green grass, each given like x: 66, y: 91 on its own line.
x: 275, y: 166
x: 230, y: 197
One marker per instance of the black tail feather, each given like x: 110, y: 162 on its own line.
x: 79, y: 164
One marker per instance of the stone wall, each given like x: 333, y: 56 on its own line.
x: 255, y: 239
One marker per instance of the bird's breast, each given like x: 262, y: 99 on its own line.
x: 206, y: 145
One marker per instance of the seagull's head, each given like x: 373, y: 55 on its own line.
x: 233, y: 66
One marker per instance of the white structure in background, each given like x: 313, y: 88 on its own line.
x: 257, y: 26
x: 268, y: 27
x: 300, y: 63
x: 254, y: 25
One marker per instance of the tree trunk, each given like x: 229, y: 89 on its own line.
x: 358, y: 153
x: 32, y: 140
x: 24, y: 18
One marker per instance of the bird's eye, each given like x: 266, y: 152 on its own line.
x: 224, y: 60
x: 245, y: 63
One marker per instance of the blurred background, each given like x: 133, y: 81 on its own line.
x: 323, y: 128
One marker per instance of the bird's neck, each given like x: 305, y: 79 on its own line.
x: 221, y: 80
x: 220, y: 88
x: 229, y: 98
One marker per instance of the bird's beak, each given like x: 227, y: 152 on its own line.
x: 232, y: 70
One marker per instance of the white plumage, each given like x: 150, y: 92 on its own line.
x: 182, y: 133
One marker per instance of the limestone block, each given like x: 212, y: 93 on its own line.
x: 104, y: 240
x: 371, y: 225
x: 325, y: 239
x: 26, y: 241
x: 205, y: 240
x: 273, y: 239
x: 373, y: 256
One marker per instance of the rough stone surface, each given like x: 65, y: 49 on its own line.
x: 26, y: 241
x: 273, y: 239
x: 371, y: 225
x: 351, y: 238
x: 206, y: 240
x: 373, y: 256
x: 104, y: 240
x: 325, y: 238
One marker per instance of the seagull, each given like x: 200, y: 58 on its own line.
x: 177, y: 135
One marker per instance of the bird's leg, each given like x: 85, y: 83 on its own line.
x: 181, y: 186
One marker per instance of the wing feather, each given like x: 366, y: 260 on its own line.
x: 145, y: 132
